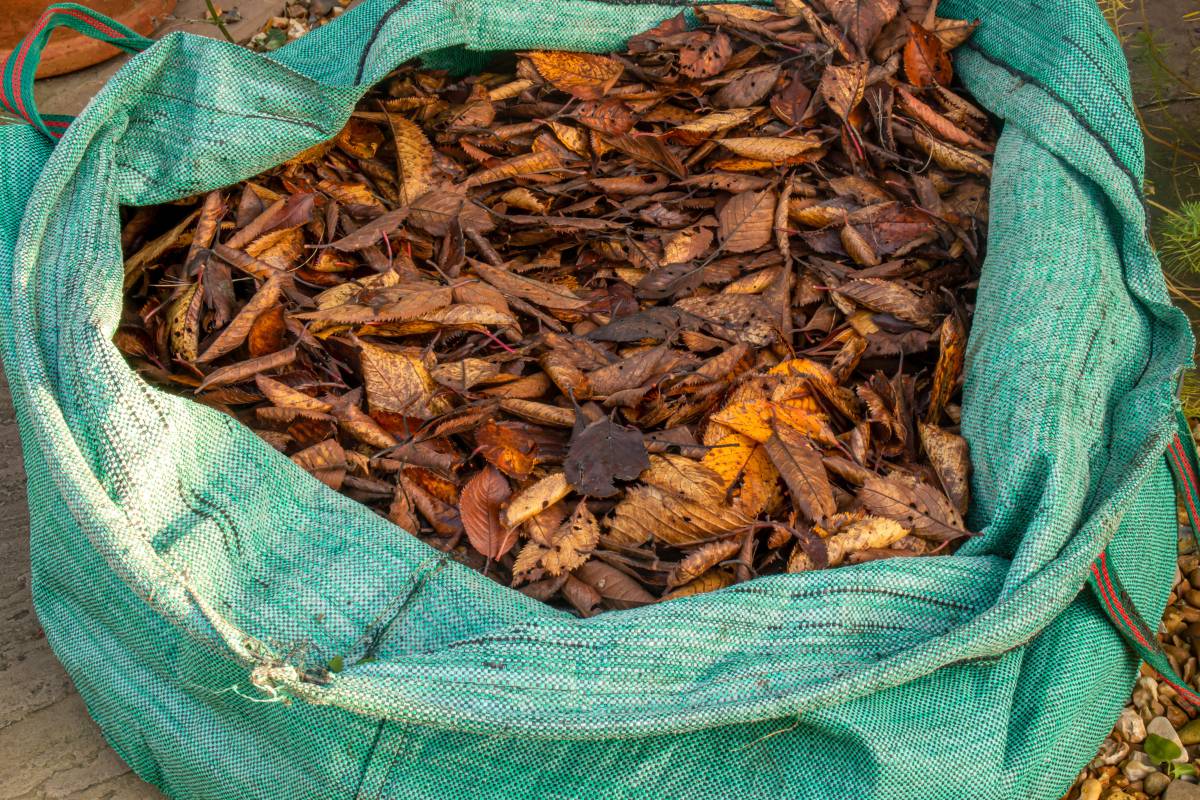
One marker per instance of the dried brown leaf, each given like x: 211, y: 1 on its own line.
x: 479, y: 507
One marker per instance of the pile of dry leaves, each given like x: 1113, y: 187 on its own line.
x: 611, y: 328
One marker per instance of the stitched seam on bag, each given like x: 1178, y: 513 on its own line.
x: 239, y: 114
x: 748, y: 589
x: 366, y: 51
x: 366, y: 767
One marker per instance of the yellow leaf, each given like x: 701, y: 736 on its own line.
x: 750, y: 419
x: 746, y: 391
x: 772, y: 149
x: 397, y: 381
x: 867, y: 533
x: 951, y: 157
x: 510, y: 89
x: 718, y: 121
x: 758, y: 486
x: 740, y: 165
x: 682, y: 475
x: 745, y: 471
x: 728, y: 457
x: 755, y: 282
x: 708, y: 582
x: 648, y: 511
x: 535, y: 498
x: 414, y: 158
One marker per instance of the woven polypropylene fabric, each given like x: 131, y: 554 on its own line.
x: 188, y: 575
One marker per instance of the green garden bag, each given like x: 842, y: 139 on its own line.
x: 195, y: 583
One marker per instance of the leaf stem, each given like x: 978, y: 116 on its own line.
x: 219, y: 21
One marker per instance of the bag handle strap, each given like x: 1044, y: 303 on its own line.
x: 1181, y: 456
x: 16, y: 78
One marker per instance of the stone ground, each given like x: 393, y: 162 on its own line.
x: 49, y: 747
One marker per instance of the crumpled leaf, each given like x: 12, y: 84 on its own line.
x: 949, y: 456
x: 952, y: 344
x: 705, y: 55
x: 398, y: 382
x: 702, y: 559
x: 951, y: 157
x: 508, y: 446
x: 866, y: 533
x: 325, y: 461
x: 708, y: 582
x: 862, y: 20
x: 567, y: 548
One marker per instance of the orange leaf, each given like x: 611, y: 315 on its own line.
x: 508, y: 446
x: 925, y: 60
x: 585, y: 75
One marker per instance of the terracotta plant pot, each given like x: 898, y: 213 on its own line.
x: 67, y: 50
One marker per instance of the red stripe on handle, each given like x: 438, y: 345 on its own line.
x: 1109, y: 592
x: 1141, y: 633
x: 1115, y: 606
x: 1188, y: 487
x: 15, y: 78
x: 1187, y: 467
x: 103, y: 27
x: 43, y: 20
